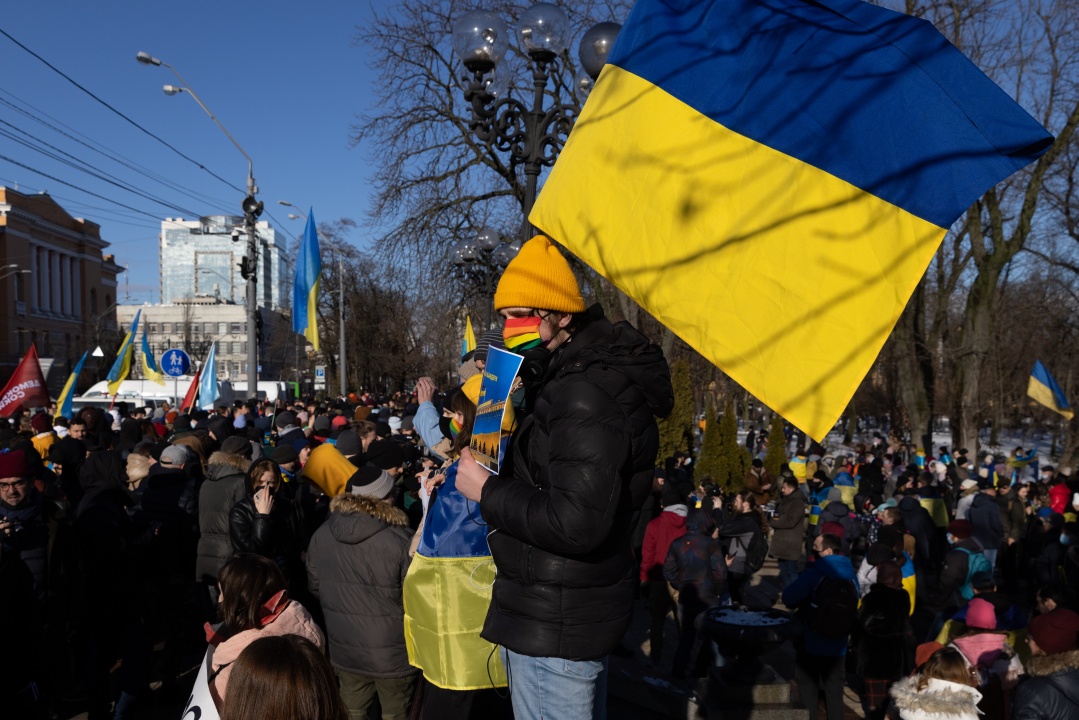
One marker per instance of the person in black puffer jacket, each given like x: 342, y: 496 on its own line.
x: 563, y: 508
x: 1051, y: 687
x: 224, y: 487
x: 356, y: 564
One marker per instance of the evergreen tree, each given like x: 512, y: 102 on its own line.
x: 676, y: 430
x: 734, y: 460
x: 711, y: 445
x: 777, y: 450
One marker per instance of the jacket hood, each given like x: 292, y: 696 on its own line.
x: 623, y: 348
x: 909, y: 503
x: 671, y: 516
x: 939, y: 698
x: 981, y: 649
x: 836, y: 510
x: 222, y: 464
x: 981, y: 500
x: 699, y: 522
x: 837, y: 567
x: 1043, y: 665
x: 354, y: 518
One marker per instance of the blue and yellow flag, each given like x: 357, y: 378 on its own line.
x: 468, y: 342
x: 149, y: 365
x: 305, y: 285
x: 208, y: 391
x: 121, y: 368
x: 1044, y: 389
x: 63, y: 403
x: 771, y: 178
x: 446, y: 595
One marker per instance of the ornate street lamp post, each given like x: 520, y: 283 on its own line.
x: 491, y: 255
x: 532, y: 135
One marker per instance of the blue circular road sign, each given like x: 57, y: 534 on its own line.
x: 175, y: 362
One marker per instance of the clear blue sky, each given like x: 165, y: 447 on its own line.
x: 285, y: 80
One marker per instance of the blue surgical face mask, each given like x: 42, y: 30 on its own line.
x: 1065, y: 539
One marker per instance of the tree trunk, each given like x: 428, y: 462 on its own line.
x: 914, y: 363
x: 976, y: 341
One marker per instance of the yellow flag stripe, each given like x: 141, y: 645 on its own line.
x: 1043, y: 394
x: 786, y: 277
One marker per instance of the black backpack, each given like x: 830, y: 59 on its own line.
x: 833, y: 608
x: 756, y: 551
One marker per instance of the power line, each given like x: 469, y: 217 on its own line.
x: 103, y: 150
x: 117, y: 112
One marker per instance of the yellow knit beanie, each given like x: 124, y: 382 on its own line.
x: 539, y: 277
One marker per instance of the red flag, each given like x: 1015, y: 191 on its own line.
x: 192, y: 393
x: 26, y: 388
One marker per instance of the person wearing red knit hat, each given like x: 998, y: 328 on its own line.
x: 582, y: 465
x: 1051, y: 688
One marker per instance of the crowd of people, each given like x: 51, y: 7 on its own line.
x: 349, y: 557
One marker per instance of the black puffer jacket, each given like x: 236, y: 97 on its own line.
x: 356, y: 563
x: 984, y: 515
x: 277, y: 536
x: 582, y: 464
x: 224, y: 487
x: 1051, y: 689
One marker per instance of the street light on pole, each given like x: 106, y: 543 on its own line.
x: 252, y: 209
x: 533, y: 135
x: 488, y: 251
x: 341, y: 301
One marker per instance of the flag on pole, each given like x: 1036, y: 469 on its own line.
x: 468, y: 343
x: 63, y: 403
x: 149, y: 365
x: 208, y: 392
x: 192, y: 393
x: 26, y: 388
x: 121, y: 367
x: 771, y: 178
x: 1044, y: 389
x: 305, y: 285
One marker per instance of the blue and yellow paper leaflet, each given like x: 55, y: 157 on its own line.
x: 771, y: 178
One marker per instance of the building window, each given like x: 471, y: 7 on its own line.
x: 166, y: 328
x: 222, y: 328
x: 237, y: 328
x: 153, y: 328
x: 209, y: 330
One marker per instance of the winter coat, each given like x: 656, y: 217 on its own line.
x: 695, y: 564
x: 165, y: 522
x: 838, y: 512
x: 29, y: 539
x: 1060, y: 496
x: 1050, y: 690
x: 940, y: 700
x: 1013, y: 515
x: 800, y: 593
x: 225, y: 485
x: 984, y: 515
x: 356, y: 563
x: 962, y: 508
x: 756, y: 480
x: 277, y: 536
x: 953, y: 575
x: 736, y: 533
x: 658, y: 536
x: 788, y: 527
x: 918, y: 523
x: 883, y: 635
x: 581, y: 466
x: 292, y: 620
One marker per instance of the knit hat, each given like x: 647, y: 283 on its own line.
x: 407, y: 422
x: 968, y: 484
x: 301, y: 418
x: 361, y: 413
x: 981, y: 615
x: 237, y: 445
x: 539, y: 277
x: 41, y: 422
x: 890, y: 575
x: 284, y: 419
x: 348, y: 443
x: 490, y: 339
x: 960, y: 529
x: 338, y: 421
x: 385, y: 454
x: 1045, y: 512
x: 925, y: 651
x: 329, y: 470
x: 835, y: 495
x: 1055, y: 631
x: 671, y: 496
x: 321, y: 424
x: 284, y: 454
x: 13, y: 464
x: 395, y: 424
x: 370, y: 482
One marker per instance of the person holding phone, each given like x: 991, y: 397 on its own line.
x: 265, y: 522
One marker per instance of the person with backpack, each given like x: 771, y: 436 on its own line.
x: 826, y: 597
x: 739, y: 530
x: 966, y: 559
x: 883, y: 638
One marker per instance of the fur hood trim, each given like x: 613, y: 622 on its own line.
x: 348, y: 504
x: 237, y: 461
x: 940, y: 698
x: 1042, y: 665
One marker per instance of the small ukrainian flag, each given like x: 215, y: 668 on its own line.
x: 1044, y: 389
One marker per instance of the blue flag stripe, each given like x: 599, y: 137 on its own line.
x: 876, y: 98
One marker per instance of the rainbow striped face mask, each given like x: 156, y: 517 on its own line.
x: 521, y: 334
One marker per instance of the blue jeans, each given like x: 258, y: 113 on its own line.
x: 991, y: 556
x: 556, y: 689
x: 788, y: 571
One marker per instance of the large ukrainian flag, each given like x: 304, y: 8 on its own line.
x: 446, y: 595
x: 771, y: 178
x: 306, y: 283
x: 1044, y: 389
